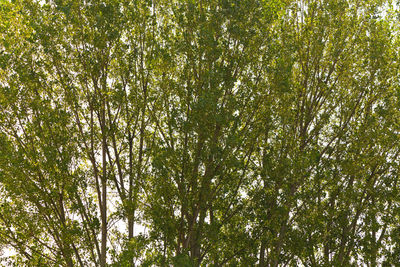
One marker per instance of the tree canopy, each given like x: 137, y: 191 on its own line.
x: 200, y: 133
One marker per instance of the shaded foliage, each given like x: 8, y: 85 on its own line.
x: 199, y: 133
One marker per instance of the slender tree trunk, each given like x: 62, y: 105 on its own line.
x: 103, y: 208
x: 262, y: 254
x: 65, y: 248
x: 131, y: 219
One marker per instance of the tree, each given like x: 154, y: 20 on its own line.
x: 199, y: 133
x: 321, y: 161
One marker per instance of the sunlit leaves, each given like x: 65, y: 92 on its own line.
x: 226, y: 132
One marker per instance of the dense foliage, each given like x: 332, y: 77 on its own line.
x: 199, y: 133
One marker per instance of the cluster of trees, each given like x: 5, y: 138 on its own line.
x: 199, y: 133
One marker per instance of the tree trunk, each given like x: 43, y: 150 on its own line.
x: 262, y: 254
x: 103, y: 208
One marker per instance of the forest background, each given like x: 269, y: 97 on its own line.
x: 199, y: 133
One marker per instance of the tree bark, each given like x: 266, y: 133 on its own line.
x: 103, y: 208
x: 262, y: 254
